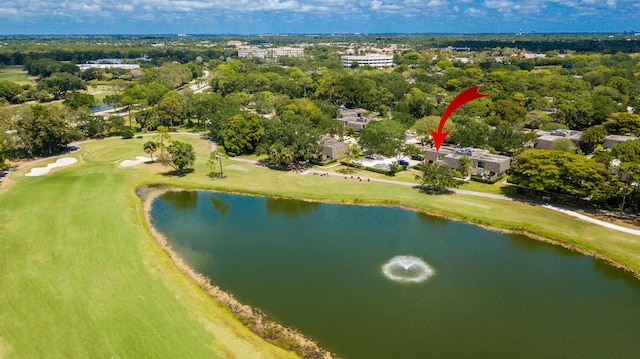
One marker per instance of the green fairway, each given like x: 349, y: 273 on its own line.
x: 82, y: 277
x: 15, y: 74
x: 99, y: 92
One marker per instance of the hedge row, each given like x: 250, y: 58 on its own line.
x: 317, y: 162
x: 489, y: 181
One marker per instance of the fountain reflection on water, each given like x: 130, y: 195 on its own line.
x: 407, y: 269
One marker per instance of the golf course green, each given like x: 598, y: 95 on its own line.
x: 81, y: 275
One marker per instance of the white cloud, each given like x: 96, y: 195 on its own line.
x: 499, y: 5
x: 8, y: 11
x: 435, y: 3
x: 380, y: 6
x: 318, y: 11
x: 474, y: 12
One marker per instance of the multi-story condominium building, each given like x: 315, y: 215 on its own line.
x: 374, y: 60
x: 253, y: 52
x: 271, y: 53
x: 235, y: 43
x: 297, y: 52
x: 84, y: 67
x: 483, y: 163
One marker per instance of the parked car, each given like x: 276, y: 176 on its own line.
x: 417, y: 158
x: 403, y: 163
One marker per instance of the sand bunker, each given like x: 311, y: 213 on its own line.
x: 137, y: 161
x: 39, y: 171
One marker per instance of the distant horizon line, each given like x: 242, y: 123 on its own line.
x: 330, y: 33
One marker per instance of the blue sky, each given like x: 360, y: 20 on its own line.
x: 315, y: 16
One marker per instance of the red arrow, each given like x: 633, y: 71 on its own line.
x: 465, y: 96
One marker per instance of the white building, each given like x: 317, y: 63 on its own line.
x: 84, y: 67
x: 374, y: 60
x: 235, y: 43
x: 276, y: 52
x: 271, y: 53
x: 253, y: 52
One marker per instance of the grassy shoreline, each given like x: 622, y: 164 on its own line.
x: 253, y: 318
x: 79, y: 260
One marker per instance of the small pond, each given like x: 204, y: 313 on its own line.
x: 381, y: 282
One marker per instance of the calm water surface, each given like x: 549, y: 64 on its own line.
x: 318, y: 268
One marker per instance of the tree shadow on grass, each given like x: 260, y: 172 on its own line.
x: 178, y: 173
x: 434, y: 190
x: 348, y: 171
x: 216, y: 175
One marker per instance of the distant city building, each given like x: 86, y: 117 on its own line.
x: 253, y: 52
x: 464, y: 60
x: 85, y: 67
x: 107, y: 61
x: 374, y: 60
x: 483, y: 163
x: 276, y: 52
x: 235, y: 43
x: 534, y: 56
x: 262, y: 53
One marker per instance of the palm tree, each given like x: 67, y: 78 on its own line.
x: 163, y: 134
x: 150, y: 147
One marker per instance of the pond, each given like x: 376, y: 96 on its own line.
x: 383, y: 282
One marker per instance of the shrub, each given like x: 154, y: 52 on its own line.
x: 317, y: 162
x: 487, y: 180
x: 126, y: 133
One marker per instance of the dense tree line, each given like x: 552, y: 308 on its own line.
x: 35, y: 130
x: 282, y: 108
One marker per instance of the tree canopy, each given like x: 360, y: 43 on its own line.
x: 559, y: 171
x: 438, y: 177
x: 182, y: 155
x: 386, y: 137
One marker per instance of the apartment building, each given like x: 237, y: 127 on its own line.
x: 374, y: 60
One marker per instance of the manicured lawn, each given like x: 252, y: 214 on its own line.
x: 81, y: 276
x: 100, y: 95
x: 15, y: 74
x: 496, y: 188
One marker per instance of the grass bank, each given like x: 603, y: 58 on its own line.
x: 82, y: 277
